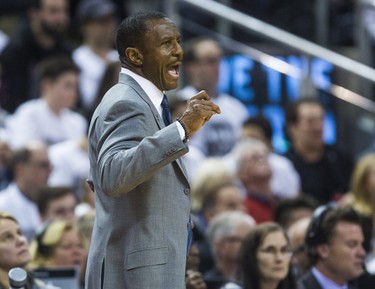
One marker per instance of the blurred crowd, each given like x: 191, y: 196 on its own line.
x: 252, y: 207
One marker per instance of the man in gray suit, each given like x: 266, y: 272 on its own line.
x: 142, y: 195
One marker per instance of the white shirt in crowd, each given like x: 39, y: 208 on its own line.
x: 13, y: 202
x: 34, y: 120
x: 92, y: 70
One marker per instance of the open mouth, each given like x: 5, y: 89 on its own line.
x: 173, y: 71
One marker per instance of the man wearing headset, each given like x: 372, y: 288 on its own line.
x: 334, y: 242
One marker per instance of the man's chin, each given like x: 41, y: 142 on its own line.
x: 171, y: 86
x: 54, y: 32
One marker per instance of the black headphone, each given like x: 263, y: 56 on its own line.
x: 45, y: 250
x: 315, y: 235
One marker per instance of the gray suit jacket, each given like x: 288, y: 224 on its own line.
x: 142, y: 194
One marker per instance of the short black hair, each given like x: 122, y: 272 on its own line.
x: 325, y: 229
x: 48, y: 194
x: 291, y: 112
x: 262, y: 122
x: 132, y: 30
x: 285, y: 207
x: 56, y: 65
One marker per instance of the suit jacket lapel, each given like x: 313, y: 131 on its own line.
x: 126, y: 79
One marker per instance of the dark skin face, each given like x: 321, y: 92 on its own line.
x: 161, y: 55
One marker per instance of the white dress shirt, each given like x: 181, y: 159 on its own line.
x: 22, y: 208
x: 154, y: 93
x: 325, y: 282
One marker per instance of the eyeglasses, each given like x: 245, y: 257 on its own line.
x: 286, y: 251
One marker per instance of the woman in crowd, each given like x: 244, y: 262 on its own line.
x: 14, y: 250
x: 58, y: 245
x: 265, y: 260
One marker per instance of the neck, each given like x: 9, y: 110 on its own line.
x: 31, y: 194
x: 309, y: 154
x: 54, y: 108
x: 4, y: 281
x: 269, y: 284
x: 260, y: 187
x: 330, y: 275
x: 228, y: 270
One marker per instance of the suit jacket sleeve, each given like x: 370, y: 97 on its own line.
x: 130, y: 142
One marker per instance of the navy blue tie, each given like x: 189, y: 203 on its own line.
x: 166, y: 113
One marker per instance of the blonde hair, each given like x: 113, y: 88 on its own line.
x: 45, y: 243
x: 210, y: 175
x: 6, y: 216
x: 363, y: 202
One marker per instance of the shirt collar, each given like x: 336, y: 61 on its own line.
x: 325, y: 282
x: 154, y: 93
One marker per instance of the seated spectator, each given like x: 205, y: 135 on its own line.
x: 297, y: 235
x: 254, y: 171
x: 334, y: 242
x: 50, y: 118
x: 98, y: 21
x: 38, y: 38
x: 264, y: 260
x: 14, y: 251
x: 324, y: 169
x: 59, y: 244
x: 225, y: 235
x: 291, y: 210
x: 31, y: 168
x: 285, y: 181
x: 57, y: 203
x: 210, y: 174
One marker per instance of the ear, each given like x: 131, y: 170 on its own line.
x: 134, y: 56
x: 323, y: 251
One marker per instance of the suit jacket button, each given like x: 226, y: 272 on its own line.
x: 187, y: 191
